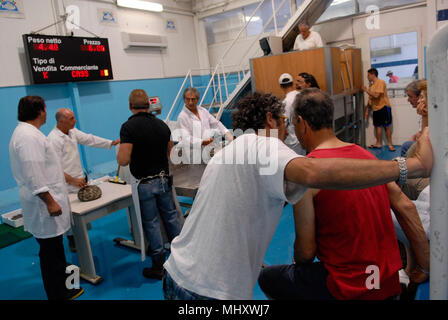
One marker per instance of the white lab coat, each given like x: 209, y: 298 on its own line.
x: 36, y: 168
x: 195, y: 130
x: 66, y: 146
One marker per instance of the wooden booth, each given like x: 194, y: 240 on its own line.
x: 338, y: 72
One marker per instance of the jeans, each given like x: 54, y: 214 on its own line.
x: 156, y: 197
x: 306, y: 281
x: 172, y: 291
x: 405, y: 147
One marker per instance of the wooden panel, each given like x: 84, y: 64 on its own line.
x: 338, y: 86
x: 267, y: 70
x: 356, y: 66
x: 346, y: 69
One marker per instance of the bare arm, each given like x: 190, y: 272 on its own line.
x: 170, y: 147
x: 54, y: 209
x: 81, y: 182
x: 124, y: 154
x: 346, y: 174
x: 410, y: 222
x: 305, y: 228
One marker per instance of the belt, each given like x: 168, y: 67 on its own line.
x: 147, y: 179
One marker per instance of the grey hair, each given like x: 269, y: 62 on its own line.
x: 191, y: 89
x: 413, y: 86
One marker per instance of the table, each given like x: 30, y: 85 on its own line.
x: 114, y: 197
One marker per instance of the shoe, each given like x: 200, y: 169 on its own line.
x: 74, y: 293
x: 153, y: 273
x: 157, y: 270
x: 391, y: 148
x: 372, y: 146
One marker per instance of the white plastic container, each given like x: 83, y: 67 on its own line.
x: 8, y: 218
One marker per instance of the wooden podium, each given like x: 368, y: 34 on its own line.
x: 336, y: 71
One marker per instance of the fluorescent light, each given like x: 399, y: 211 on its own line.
x: 141, y: 5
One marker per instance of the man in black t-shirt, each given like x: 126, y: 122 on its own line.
x: 145, y: 146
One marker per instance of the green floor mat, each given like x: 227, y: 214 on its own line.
x: 10, y: 235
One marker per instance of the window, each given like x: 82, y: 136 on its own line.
x: 338, y: 9
x: 396, y: 53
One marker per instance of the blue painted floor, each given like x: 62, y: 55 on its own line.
x: 121, y: 267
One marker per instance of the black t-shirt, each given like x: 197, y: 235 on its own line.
x: 149, y: 137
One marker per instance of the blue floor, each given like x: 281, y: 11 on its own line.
x: 121, y: 267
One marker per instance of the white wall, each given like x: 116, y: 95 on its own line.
x: 181, y: 54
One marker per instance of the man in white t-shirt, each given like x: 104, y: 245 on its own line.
x: 307, y: 39
x: 286, y: 82
x: 220, y: 250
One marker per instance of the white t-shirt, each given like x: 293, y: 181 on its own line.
x: 66, y: 146
x: 291, y: 140
x: 36, y: 168
x: 220, y: 250
x: 314, y: 40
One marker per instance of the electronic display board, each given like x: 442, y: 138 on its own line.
x: 67, y: 59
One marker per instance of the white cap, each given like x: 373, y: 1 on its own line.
x: 285, y: 79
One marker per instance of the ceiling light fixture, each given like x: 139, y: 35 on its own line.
x: 140, y: 5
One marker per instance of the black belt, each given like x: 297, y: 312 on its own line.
x: 161, y: 175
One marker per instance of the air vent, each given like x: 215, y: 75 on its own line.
x: 143, y: 40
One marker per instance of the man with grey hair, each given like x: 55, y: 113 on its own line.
x: 307, y: 39
x: 413, y: 93
x: 198, y: 126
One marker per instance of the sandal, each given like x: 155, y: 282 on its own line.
x: 391, y: 148
x: 372, y: 146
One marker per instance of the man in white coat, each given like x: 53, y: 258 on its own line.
x: 65, y: 138
x: 43, y: 194
x: 197, y: 126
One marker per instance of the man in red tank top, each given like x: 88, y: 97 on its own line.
x: 350, y: 231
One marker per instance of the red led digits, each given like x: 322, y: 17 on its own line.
x: 80, y: 74
x: 45, y: 47
x: 92, y: 48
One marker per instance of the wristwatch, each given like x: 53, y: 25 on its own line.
x: 403, y: 170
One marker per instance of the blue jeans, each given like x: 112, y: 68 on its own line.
x: 405, y: 147
x: 156, y: 196
x: 172, y: 291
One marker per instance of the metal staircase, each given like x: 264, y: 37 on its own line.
x: 217, y: 89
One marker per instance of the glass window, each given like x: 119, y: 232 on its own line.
x: 338, y: 9
x: 363, y: 4
x: 224, y: 26
x: 283, y: 14
x: 262, y: 16
x: 395, y: 56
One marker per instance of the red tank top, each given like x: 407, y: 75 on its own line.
x: 354, y: 231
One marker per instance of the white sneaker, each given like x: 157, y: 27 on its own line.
x: 404, y: 279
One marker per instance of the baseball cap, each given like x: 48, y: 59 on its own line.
x: 389, y: 73
x: 285, y: 79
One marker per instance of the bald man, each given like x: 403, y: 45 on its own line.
x: 65, y: 138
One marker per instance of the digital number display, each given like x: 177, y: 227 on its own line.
x: 54, y: 59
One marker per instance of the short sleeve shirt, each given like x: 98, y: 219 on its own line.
x: 149, y: 137
x: 379, y: 86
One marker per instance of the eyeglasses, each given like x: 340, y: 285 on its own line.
x: 285, y: 119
